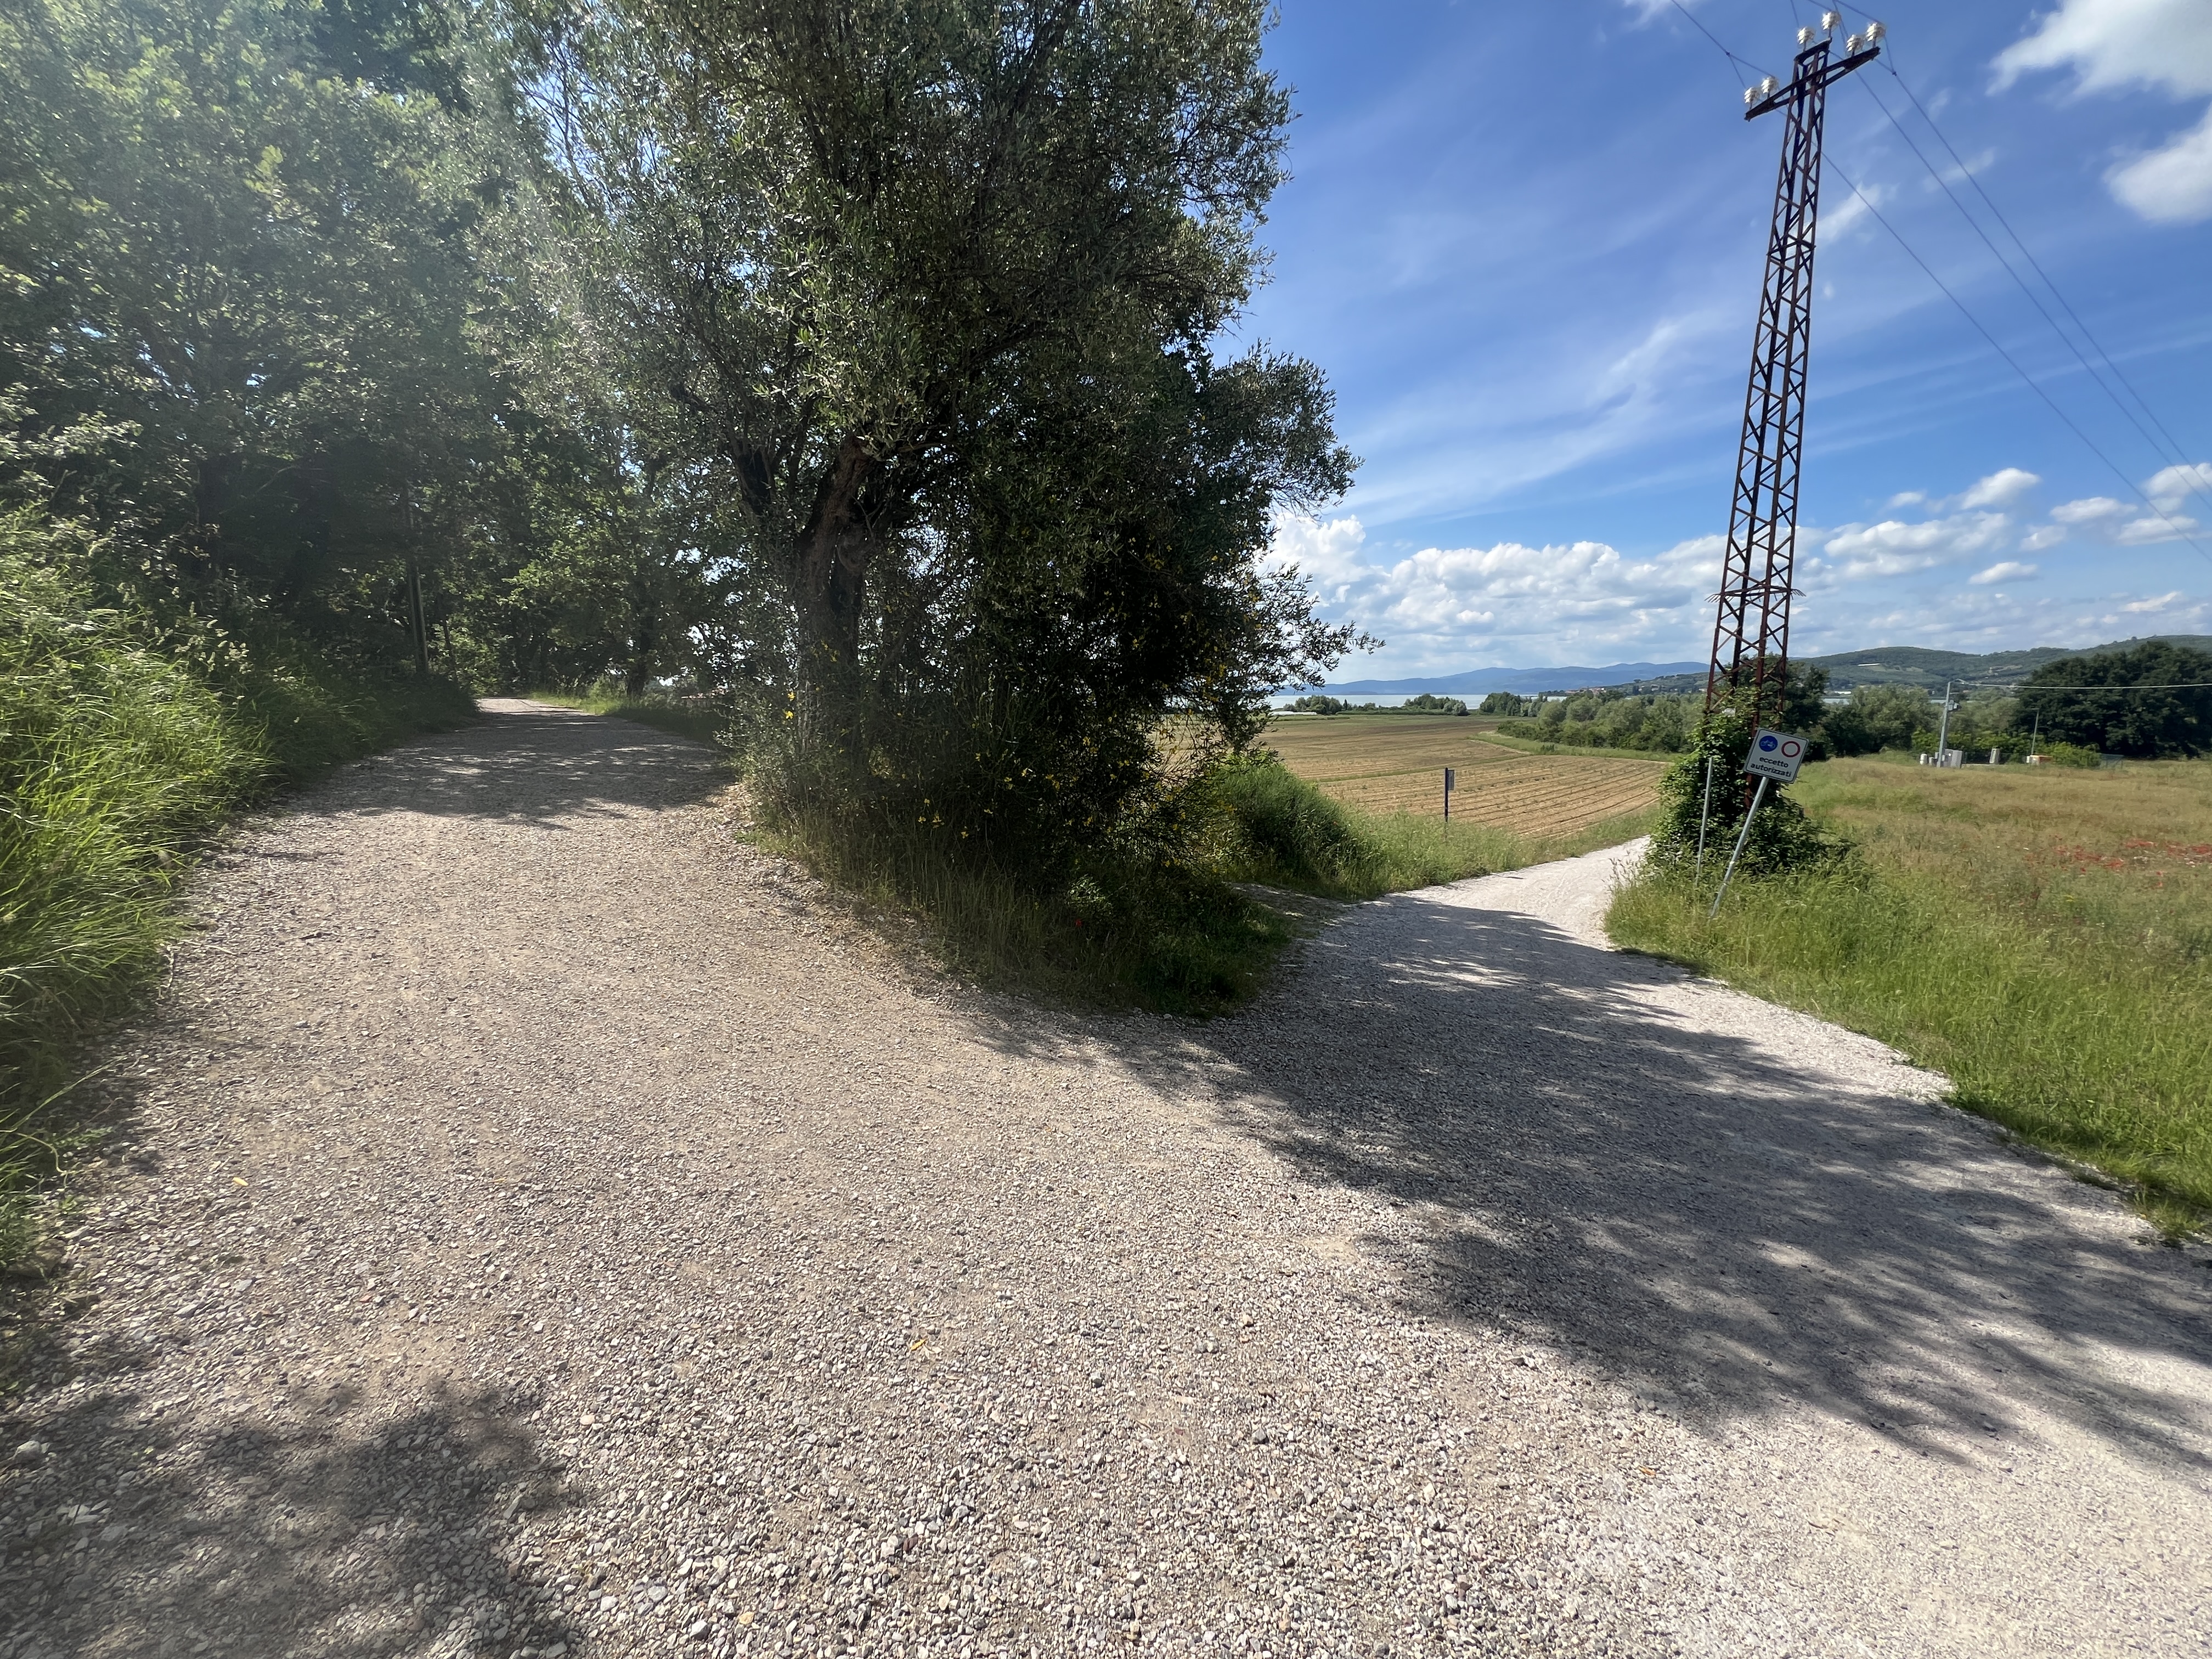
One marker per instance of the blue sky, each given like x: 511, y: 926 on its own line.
x: 1524, y: 241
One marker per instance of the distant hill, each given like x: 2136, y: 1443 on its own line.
x: 1481, y: 682
x: 1881, y: 664
x: 1912, y: 664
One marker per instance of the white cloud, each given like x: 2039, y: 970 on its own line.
x: 2171, y: 185
x: 2170, y: 488
x: 1854, y: 206
x: 1906, y: 498
x: 2008, y: 571
x: 2115, y: 44
x: 2003, y: 488
x: 1895, y: 548
x: 2111, y: 45
x: 2109, y: 521
x: 2043, y: 536
x: 1447, y: 607
x: 2152, y: 607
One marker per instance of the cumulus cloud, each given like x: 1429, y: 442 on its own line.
x: 2008, y: 570
x: 2104, y: 519
x: 2171, y: 185
x: 2002, y: 487
x: 2169, y: 490
x: 2152, y: 607
x: 2113, y: 46
x: 1446, y: 604
x: 1896, y: 548
x: 2090, y: 510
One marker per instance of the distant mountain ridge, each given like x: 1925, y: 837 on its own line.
x: 1481, y: 682
x: 1883, y: 665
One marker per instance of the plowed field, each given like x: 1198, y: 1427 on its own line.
x: 1395, y: 764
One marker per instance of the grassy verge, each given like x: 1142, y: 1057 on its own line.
x: 2042, y: 937
x: 686, y: 717
x: 118, y: 755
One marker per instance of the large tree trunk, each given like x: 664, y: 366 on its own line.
x: 829, y: 584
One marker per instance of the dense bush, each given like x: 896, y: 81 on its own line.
x: 2085, y: 699
x: 1877, y: 717
x: 1428, y: 702
x: 1702, y: 800
x: 1608, y: 720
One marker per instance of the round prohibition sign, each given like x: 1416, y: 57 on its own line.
x: 1780, y: 747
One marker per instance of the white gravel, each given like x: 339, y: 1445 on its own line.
x: 538, y: 1222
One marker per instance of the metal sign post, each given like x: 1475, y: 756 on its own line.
x: 1450, y: 778
x: 1775, y: 758
x: 1704, y: 818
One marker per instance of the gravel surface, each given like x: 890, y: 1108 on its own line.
x: 539, y: 1223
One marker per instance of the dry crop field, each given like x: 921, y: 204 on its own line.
x: 1395, y: 764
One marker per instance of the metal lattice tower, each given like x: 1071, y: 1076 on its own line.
x: 1751, y: 631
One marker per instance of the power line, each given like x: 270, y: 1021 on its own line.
x: 1735, y: 62
x: 2032, y: 384
x: 2171, y: 451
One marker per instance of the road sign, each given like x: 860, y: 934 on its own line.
x: 1775, y: 755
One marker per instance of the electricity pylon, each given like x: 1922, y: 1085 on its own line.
x: 1751, y: 632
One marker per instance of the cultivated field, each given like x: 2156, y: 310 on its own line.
x: 1395, y: 764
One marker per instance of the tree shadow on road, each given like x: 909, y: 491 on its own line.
x: 531, y: 762
x: 1678, y: 1207
x: 255, y: 1517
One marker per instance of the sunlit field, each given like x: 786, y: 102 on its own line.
x: 1393, y: 764
x: 2043, y: 936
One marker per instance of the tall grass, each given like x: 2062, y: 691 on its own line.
x: 117, y: 757
x: 2043, y: 938
x: 1175, y: 940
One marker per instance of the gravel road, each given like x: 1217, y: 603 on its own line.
x: 539, y: 1223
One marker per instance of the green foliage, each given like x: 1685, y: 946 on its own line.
x: 1608, y: 720
x: 1877, y: 717
x: 2068, y: 754
x: 1705, y: 794
x: 1429, y: 703
x: 2142, y: 724
x: 1280, y: 829
x: 1320, y: 705
x: 935, y: 361
x: 1505, y: 702
x: 124, y: 740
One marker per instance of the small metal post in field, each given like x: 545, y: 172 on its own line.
x: 1450, y: 778
x: 1757, y: 795
x: 1704, y: 818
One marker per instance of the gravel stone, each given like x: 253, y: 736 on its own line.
x: 536, y: 1221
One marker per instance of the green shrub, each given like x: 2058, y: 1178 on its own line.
x: 2068, y: 754
x: 1280, y: 829
x: 1782, y: 838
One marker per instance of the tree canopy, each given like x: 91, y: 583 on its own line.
x: 2092, y: 701
x: 863, y: 362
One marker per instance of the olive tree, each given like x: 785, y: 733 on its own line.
x: 929, y: 296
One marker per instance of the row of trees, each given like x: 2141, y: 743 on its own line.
x: 862, y: 357
x: 2153, y: 700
